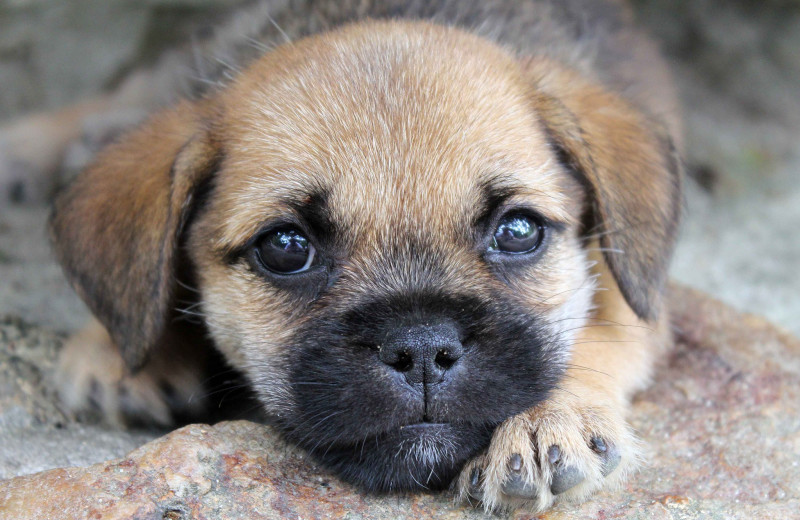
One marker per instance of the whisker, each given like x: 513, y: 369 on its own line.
x: 561, y: 388
x: 188, y: 287
x: 310, y: 430
x: 227, y: 390
x: 330, y: 444
x: 589, y: 341
x: 258, y: 44
x: 280, y: 29
x: 589, y: 369
x: 605, y: 250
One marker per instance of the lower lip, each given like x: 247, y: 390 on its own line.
x: 424, y: 427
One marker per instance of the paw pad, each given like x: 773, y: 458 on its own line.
x: 564, y: 477
x: 609, y: 454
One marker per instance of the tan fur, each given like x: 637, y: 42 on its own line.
x: 405, y: 120
x: 612, y: 357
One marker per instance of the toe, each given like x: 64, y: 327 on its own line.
x: 564, y: 477
x: 609, y: 455
x: 515, y: 484
x: 517, y: 487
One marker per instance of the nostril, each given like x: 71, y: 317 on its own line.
x: 445, y: 358
x: 404, y: 363
x: 422, y: 353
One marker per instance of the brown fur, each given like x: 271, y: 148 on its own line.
x: 406, y: 121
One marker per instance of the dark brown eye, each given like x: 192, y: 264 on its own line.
x: 285, y: 251
x: 516, y: 234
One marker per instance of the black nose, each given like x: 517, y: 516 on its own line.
x: 424, y: 353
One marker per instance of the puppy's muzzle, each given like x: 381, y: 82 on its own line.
x: 424, y: 354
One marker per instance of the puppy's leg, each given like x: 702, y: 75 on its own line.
x: 31, y: 150
x: 91, y: 377
x: 577, y: 441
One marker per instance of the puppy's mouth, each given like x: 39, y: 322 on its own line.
x: 393, y: 407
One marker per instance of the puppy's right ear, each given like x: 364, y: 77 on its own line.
x: 116, y: 228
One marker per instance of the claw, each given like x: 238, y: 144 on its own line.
x: 554, y: 454
x: 515, y: 463
x: 474, y: 484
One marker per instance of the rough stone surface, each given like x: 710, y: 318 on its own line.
x: 721, y: 423
x: 31, y: 282
x: 35, y: 434
x: 26, y: 355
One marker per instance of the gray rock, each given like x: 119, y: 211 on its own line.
x: 35, y: 434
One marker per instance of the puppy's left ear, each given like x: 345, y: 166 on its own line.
x: 629, y: 166
x: 117, y: 226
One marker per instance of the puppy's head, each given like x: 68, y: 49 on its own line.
x: 385, y: 226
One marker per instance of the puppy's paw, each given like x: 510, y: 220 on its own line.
x: 21, y: 181
x: 566, y: 448
x: 93, y: 384
x: 30, y: 151
x: 40, y: 152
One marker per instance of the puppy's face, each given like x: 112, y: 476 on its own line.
x: 391, y: 252
x: 384, y: 226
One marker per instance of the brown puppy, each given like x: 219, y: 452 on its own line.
x: 433, y: 258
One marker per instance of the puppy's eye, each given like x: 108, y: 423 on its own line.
x: 285, y: 251
x: 516, y: 234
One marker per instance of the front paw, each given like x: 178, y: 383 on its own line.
x: 93, y: 385
x: 565, y: 448
x: 29, y: 159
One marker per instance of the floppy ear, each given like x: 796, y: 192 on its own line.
x: 116, y: 228
x: 631, y: 170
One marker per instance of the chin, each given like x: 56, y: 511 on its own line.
x: 414, y: 457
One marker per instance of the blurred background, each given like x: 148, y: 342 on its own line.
x: 736, y: 62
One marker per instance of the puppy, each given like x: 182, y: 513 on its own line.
x: 433, y: 239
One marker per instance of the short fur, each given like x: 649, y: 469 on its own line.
x: 396, y: 146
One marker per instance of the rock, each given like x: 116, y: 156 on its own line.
x: 26, y: 355
x: 35, y: 434
x: 721, y: 423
